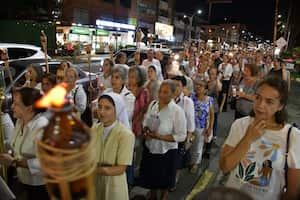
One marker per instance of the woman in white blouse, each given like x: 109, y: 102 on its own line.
x: 29, y: 124
x: 164, y: 126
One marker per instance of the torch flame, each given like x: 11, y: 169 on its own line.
x: 55, y: 97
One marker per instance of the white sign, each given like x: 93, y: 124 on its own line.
x: 164, y: 31
x: 114, y: 24
x: 281, y: 42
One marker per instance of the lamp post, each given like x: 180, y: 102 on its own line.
x: 191, y: 21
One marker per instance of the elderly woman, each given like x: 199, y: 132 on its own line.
x: 164, y: 127
x: 29, y: 124
x: 75, y: 91
x: 118, y: 80
x: 204, y: 121
x: 262, y: 150
x: 245, y: 91
x: 136, y: 80
x: 115, y: 148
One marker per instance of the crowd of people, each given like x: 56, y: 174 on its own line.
x: 155, y: 119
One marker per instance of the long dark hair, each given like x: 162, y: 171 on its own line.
x: 282, y: 88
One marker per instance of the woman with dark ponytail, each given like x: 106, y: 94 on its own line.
x: 264, y: 135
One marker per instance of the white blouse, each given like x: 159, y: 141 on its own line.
x: 171, y: 121
x: 79, y: 97
x: 187, y: 105
x: 227, y: 71
x: 24, y: 146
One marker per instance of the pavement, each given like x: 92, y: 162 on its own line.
x: 209, y: 174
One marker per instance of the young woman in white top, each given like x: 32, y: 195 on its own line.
x: 255, y: 150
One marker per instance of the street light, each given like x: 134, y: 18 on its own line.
x: 199, y: 12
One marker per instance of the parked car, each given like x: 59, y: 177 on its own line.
x: 23, y: 51
x: 19, y: 80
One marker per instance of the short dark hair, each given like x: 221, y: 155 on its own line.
x: 119, y: 56
x: 253, y: 69
x: 111, y: 63
x: 51, y: 78
x: 182, y: 79
x: 282, y: 88
x: 29, y: 96
x: 141, y: 75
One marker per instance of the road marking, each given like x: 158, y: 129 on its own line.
x: 201, y: 184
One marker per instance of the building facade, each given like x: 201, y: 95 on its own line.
x: 104, y: 22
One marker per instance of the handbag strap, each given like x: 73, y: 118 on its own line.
x: 286, y: 167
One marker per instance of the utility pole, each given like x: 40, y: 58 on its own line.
x: 275, y: 21
x: 288, y: 25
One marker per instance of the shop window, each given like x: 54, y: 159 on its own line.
x: 125, y: 3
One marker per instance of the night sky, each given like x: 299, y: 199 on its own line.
x: 258, y: 15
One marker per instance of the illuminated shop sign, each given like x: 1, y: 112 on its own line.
x: 101, y: 32
x: 114, y: 24
x: 80, y: 30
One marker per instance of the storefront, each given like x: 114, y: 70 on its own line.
x: 100, y: 36
x: 74, y: 37
x: 120, y: 34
